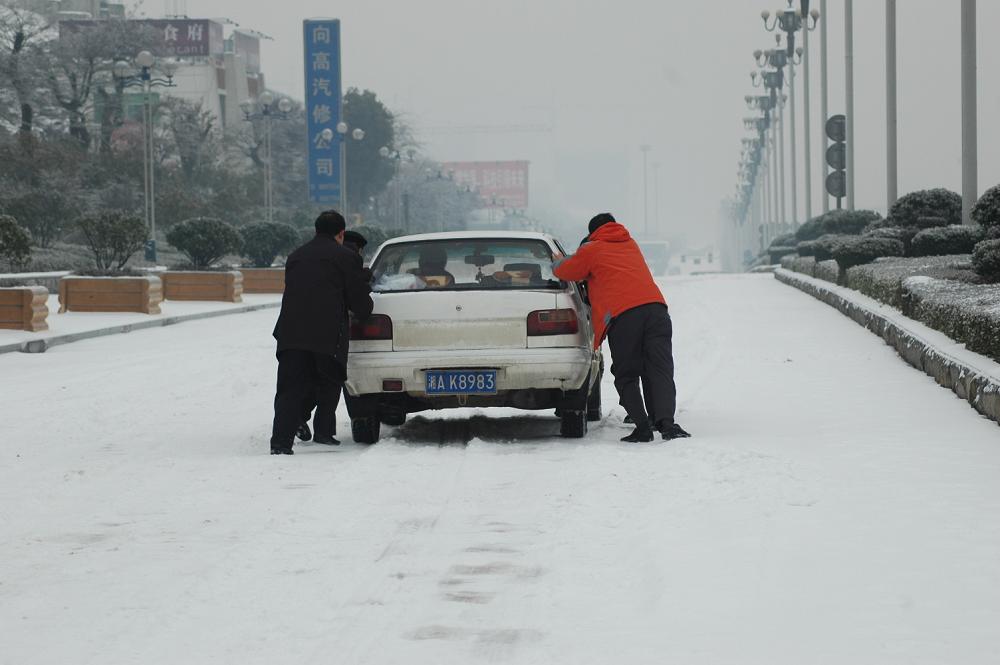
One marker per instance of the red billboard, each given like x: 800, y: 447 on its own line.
x: 499, y: 184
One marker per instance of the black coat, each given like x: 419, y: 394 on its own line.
x: 323, y: 280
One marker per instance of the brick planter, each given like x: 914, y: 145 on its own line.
x: 193, y: 285
x: 110, y: 294
x: 263, y: 280
x: 24, y: 308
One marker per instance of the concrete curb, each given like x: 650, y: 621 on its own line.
x: 973, y: 377
x: 156, y: 321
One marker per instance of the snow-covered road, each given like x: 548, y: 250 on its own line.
x: 835, y: 506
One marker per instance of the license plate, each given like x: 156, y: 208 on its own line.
x: 462, y: 382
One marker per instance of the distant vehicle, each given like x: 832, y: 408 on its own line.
x: 657, y: 255
x: 695, y: 262
x: 472, y: 319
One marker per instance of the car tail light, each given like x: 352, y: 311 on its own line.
x: 552, y: 322
x: 375, y: 327
x: 392, y: 386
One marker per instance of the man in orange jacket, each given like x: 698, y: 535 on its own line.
x: 629, y: 309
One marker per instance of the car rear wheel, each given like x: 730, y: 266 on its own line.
x: 366, y: 430
x: 594, y: 413
x: 392, y: 416
x: 573, y: 424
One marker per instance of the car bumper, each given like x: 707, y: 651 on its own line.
x: 517, y: 369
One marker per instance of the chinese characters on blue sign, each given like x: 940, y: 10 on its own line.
x: 322, y: 51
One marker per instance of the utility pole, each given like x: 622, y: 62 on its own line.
x: 807, y: 123
x: 849, y: 79
x: 970, y: 130
x: 645, y: 188
x: 795, y: 157
x: 781, y: 160
x: 824, y: 95
x: 891, y: 117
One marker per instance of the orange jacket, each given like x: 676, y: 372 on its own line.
x: 616, y: 274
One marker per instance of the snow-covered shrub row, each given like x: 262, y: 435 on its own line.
x: 986, y: 260
x: 788, y: 261
x: 837, y: 222
x: 828, y: 271
x: 967, y: 313
x: 945, y: 240
x: 926, y: 208
x: 15, y: 244
x: 883, y: 279
x: 864, y: 249
x: 822, y: 247
x: 776, y: 253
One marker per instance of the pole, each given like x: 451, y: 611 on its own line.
x: 656, y: 196
x: 145, y: 161
x: 970, y: 130
x: 268, y: 175
x: 891, y: 118
x: 807, y: 121
x: 849, y: 78
x: 823, y: 99
x: 645, y: 190
x: 343, y: 174
x: 152, y: 172
x: 775, y: 180
x: 782, y: 184
x: 795, y: 157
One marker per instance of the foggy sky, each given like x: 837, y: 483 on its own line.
x: 612, y: 76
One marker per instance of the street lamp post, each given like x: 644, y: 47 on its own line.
x: 645, y: 148
x: 849, y: 80
x: 891, y: 117
x: 356, y: 134
x: 126, y: 78
x: 263, y: 109
x: 814, y: 14
x: 824, y: 96
x: 970, y: 129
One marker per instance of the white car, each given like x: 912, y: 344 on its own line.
x: 472, y: 319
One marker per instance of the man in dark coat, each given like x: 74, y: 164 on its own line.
x: 323, y: 282
x: 326, y: 431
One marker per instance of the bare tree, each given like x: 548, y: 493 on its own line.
x: 21, y: 31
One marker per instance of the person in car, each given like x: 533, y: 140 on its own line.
x: 323, y: 282
x: 355, y: 242
x: 432, y: 262
x: 629, y: 309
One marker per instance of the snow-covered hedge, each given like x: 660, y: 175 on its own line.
x: 967, y: 313
x: 883, y: 279
x: 837, y: 222
x: 776, y: 253
x: 828, y: 271
x: 822, y: 247
x: 805, y: 265
x: 864, y: 249
x: 986, y: 260
x: 917, y: 209
x: 945, y: 240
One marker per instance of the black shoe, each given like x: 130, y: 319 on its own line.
x: 326, y: 440
x: 628, y: 420
x: 281, y: 451
x: 640, y: 435
x: 673, y: 431
x: 304, y: 433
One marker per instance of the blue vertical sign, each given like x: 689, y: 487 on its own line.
x: 323, y: 109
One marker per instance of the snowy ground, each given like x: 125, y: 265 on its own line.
x: 836, y: 506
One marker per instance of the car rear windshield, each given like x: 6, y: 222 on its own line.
x: 464, y: 265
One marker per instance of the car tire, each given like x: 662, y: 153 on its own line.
x: 573, y: 424
x: 392, y: 417
x: 365, y: 430
x: 594, y: 413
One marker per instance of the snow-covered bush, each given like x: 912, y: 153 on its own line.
x: 865, y: 249
x: 822, y: 247
x: 44, y: 212
x: 913, y: 208
x: 828, y: 271
x: 944, y: 240
x: 264, y: 241
x: 964, y: 312
x: 775, y: 253
x: 986, y: 260
x: 787, y: 240
x: 204, y: 240
x: 883, y: 280
x: 113, y: 237
x: 837, y: 222
x: 986, y: 212
x: 15, y: 244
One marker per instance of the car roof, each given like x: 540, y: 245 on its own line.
x: 472, y: 235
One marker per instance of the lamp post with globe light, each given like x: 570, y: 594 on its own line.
x: 358, y: 135
x: 143, y: 77
x: 263, y: 109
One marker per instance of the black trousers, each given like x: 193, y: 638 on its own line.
x: 641, y: 341
x: 304, y: 375
x: 322, y: 423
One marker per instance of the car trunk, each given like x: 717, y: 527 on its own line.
x: 462, y: 320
